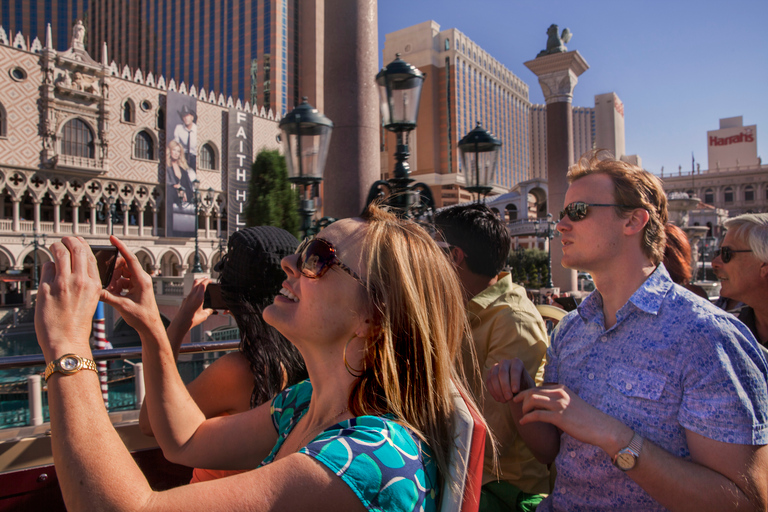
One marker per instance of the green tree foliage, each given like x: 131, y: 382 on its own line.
x: 529, y: 267
x: 271, y: 201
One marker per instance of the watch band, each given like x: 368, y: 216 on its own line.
x: 69, y: 364
x: 636, y: 444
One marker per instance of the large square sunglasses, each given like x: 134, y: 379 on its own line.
x: 726, y: 253
x: 578, y: 210
x: 317, y: 255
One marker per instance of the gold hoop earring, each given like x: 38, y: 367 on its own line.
x: 348, y: 366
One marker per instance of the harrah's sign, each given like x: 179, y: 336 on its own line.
x: 745, y: 136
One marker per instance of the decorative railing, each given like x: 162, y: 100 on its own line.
x: 84, y: 229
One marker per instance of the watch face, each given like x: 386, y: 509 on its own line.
x: 69, y: 364
x: 625, y: 460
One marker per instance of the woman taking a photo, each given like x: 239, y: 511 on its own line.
x: 250, y: 276
x: 370, y: 429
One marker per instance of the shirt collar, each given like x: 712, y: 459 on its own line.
x: 486, y: 297
x: 647, y: 298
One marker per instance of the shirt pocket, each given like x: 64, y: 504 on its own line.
x: 636, y: 383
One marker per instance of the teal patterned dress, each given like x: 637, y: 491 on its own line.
x: 384, y: 464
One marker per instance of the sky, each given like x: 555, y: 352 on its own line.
x: 679, y: 66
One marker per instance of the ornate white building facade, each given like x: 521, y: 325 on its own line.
x: 82, y: 143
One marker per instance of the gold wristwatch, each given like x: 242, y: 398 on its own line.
x: 69, y: 364
x: 626, y: 458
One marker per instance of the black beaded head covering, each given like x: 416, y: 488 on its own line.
x: 251, y: 267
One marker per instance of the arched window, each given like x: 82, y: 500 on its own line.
x: 143, y: 146
x: 128, y: 112
x: 207, y: 157
x: 3, y: 125
x: 161, y: 119
x: 728, y: 194
x: 709, y: 196
x: 511, y: 213
x: 77, y: 139
x: 749, y: 193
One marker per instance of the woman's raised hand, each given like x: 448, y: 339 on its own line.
x: 131, y: 292
x: 67, y: 297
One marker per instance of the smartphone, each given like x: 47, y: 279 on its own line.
x: 568, y: 303
x: 212, y: 298
x: 106, y: 257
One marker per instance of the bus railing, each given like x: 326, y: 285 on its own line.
x: 35, y: 413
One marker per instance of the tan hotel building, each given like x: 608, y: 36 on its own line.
x: 464, y: 84
x: 601, y: 126
x: 736, y: 179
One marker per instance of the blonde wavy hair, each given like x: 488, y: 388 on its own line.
x: 182, y: 157
x: 413, y: 356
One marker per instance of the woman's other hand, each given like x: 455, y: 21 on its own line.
x: 191, y: 312
x: 131, y: 291
x: 67, y: 297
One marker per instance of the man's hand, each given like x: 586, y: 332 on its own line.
x: 559, y: 406
x: 506, y: 381
x: 508, y: 378
x: 67, y: 297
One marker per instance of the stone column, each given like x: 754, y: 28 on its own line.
x: 16, y: 214
x: 57, y: 216
x: 36, y: 213
x: 207, y: 222
x: 140, y: 219
x: 154, y: 221
x: 351, y: 102
x: 218, y: 225
x: 558, y: 74
x: 126, y: 218
x: 93, y: 219
x: 75, y: 218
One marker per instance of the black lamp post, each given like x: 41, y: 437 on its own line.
x: 479, y: 150
x: 548, y: 233
x: 196, y: 268
x: 399, y: 94
x: 36, y: 245
x: 306, y: 134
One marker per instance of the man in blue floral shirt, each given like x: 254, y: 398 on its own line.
x: 654, y: 399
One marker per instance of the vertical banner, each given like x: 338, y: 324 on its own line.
x: 180, y: 164
x: 239, y: 169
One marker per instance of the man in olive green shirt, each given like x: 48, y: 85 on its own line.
x: 504, y: 324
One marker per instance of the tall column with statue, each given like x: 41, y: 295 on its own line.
x: 558, y: 70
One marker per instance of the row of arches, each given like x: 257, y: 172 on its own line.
x: 730, y: 194
x: 168, y: 262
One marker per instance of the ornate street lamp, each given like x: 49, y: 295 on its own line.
x: 36, y: 245
x: 196, y: 268
x: 399, y: 93
x: 479, y: 151
x: 306, y: 134
x: 549, y: 233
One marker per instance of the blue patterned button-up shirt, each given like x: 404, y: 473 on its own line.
x: 672, y: 362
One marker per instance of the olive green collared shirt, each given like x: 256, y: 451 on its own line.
x: 505, y: 324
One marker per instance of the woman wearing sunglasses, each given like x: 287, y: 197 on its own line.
x: 371, y: 429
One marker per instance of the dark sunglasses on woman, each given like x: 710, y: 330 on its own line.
x: 316, y: 256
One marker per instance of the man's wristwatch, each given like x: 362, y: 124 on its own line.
x: 69, y: 364
x: 626, y: 458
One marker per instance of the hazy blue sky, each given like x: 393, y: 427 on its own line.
x: 678, y: 65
